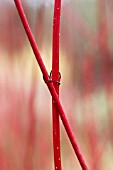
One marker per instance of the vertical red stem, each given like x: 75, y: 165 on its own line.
x: 55, y: 78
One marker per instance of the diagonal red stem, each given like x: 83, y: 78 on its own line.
x: 50, y: 85
x: 55, y: 78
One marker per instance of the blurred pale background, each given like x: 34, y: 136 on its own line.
x: 86, y: 66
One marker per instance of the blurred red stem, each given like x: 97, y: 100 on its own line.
x: 55, y: 78
x: 103, y: 43
x: 50, y: 85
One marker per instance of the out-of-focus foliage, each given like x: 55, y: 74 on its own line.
x: 86, y: 64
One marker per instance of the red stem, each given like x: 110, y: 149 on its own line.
x: 55, y: 78
x: 50, y: 85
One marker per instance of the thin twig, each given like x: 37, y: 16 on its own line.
x: 56, y: 79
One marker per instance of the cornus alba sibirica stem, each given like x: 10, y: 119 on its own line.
x: 56, y: 82
x: 50, y: 85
